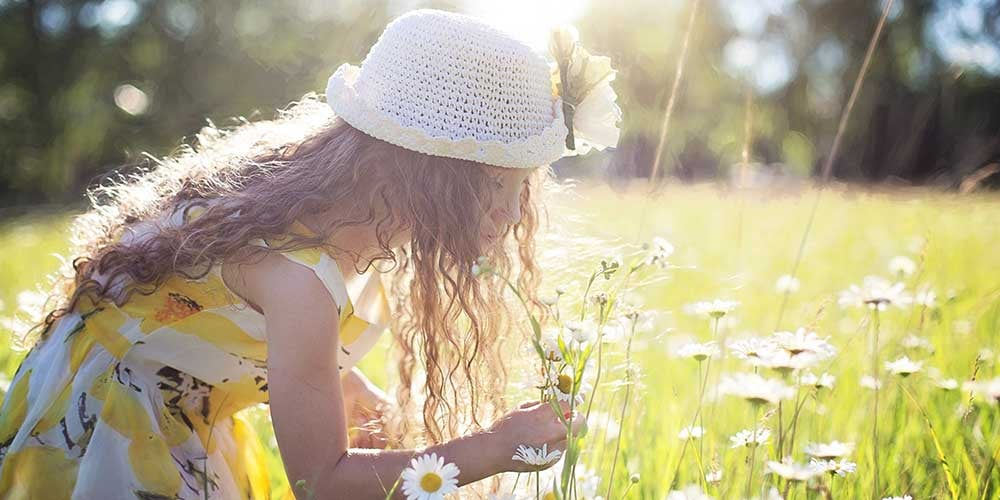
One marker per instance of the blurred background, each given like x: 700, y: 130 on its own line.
x: 90, y: 86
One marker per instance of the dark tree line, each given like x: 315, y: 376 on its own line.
x: 88, y: 86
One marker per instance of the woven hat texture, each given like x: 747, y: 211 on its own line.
x: 452, y: 85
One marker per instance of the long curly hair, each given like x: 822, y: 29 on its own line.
x: 266, y: 174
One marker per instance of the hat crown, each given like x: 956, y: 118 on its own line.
x: 455, y: 76
x: 455, y: 86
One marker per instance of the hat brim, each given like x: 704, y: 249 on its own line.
x: 535, y: 151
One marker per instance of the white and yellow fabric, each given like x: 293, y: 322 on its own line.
x: 141, y: 401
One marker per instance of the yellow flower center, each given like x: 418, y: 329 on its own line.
x: 565, y: 383
x: 431, y: 482
x: 549, y: 496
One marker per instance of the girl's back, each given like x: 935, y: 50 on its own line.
x: 143, y: 397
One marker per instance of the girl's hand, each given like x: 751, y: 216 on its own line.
x: 534, y: 423
x: 367, y: 408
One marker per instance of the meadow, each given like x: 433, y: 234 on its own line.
x: 938, y: 417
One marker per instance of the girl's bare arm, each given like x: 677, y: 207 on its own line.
x: 306, y: 397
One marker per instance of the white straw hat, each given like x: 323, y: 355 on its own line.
x: 451, y: 85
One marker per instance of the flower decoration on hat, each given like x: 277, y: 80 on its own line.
x: 583, y: 81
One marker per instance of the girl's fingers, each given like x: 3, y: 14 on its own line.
x: 527, y: 404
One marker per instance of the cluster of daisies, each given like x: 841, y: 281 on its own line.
x: 780, y: 373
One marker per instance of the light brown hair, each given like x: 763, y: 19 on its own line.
x: 268, y: 173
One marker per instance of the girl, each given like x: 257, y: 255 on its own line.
x: 249, y: 270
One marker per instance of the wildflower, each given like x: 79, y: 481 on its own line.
x: 699, y: 352
x: 875, y: 293
x: 915, y: 342
x: 784, y: 362
x: 582, y: 331
x: 791, y: 471
x: 755, y: 389
x: 550, y: 345
x: 691, y: 432
x: 901, y: 266
x: 904, y: 497
x: 804, y: 341
x: 747, y: 437
x: 429, y: 478
x: 713, y: 476
x: 869, y: 382
x: 903, y: 366
x: 833, y: 449
x: 587, y: 482
x: 658, y: 252
x: 690, y: 492
x: 610, y: 266
x: 712, y: 308
x: 824, y: 381
x: 925, y: 297
x: 841, y: 468
x: 536, y: 456
x: 600, y: 298
x: 613, y: 331
x: 752, y: 349
x: 560, y: 386
x: 600, y: 419
x: 549, y: 300
x: 988, y: 389
x: 787, y: 284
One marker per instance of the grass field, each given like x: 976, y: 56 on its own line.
x: 936, y: 439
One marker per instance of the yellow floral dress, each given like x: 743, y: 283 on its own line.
x: 141, y: 401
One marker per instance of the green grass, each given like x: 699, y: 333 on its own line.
x: 735, y: 245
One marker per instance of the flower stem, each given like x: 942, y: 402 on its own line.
x: 753, y: 450
x: 875, y: 325
x: 621, y: 418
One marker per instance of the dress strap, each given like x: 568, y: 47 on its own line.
x: 322, y: 263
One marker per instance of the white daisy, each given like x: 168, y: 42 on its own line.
x: 824, y: 381
x: 988, y: 389
x: 587, y: 482
x: 901, y: 265
x: 713, y: 476
x: 785, y: 362
x: 903, y: 366
x: 747, y: 437
x: 787, y: 284
x: 791, y: 471
x: 691, y: 432
x: 582, y: 331
x: 560, y: 386
x: 875, y: 293
x: 659, y: 250
x: 698, y: 352
x: 925, y: 297
x: 841, y: 468
x: 550, y: 345
x: 755, y: 389
x: 712, y: 308
x: 833, y: 449
x: 904, y: 497
x: 752, y: 349
x: 804, y: 341
x: 536, y: 456
x: 915, y: 342
x: 429, y: 478
x: 690, y: 492
x: 869, y: 382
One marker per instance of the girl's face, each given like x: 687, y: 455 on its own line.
x: 505, y: 210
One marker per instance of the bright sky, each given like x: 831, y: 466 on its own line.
x: 529, y: 20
